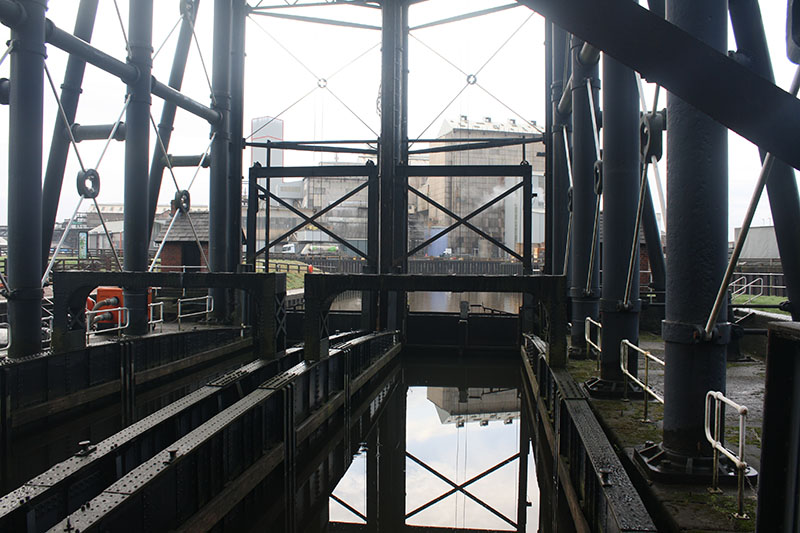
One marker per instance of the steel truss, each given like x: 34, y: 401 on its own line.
x: 695, y: 69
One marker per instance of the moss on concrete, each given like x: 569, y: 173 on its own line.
x: 582, y: 369
x: 625, y: 420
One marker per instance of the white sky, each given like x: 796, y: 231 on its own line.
x: 274, y: 80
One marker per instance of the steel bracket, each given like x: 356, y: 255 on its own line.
x: 685, y: 333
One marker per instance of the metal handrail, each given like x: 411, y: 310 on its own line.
x: 120, y: 326
x: 626, y: 345
x: 587, y: 335
x: 716, y: 398
x: 47, y: 327
x: 208, y: 299
x: 759, y: 282
x: 7, y: 327
x: 152, y: 322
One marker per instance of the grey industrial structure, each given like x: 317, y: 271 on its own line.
x: 249, y: 419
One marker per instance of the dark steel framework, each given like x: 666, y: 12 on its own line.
x: 706, y: 86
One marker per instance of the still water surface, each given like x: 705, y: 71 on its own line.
x: 443, y: 301
x: 460, y: 434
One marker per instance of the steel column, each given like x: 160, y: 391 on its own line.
x: 59, y: 146
x: 548, y: 148
x: 784, y: 200
x: 137, y: 151
x: 621, y: 177
x: 234, y: 215
x: 167, y: 121
x: 522, y: 480
x: 369, y: 300
x: 558, y: 193
x: 392, y: 463
x: 220, y: 150
x: 652, y: 236
x: 778, y: 507
x: 372, y: 481
x: 393, y: 182
x: 697, y: 232
x: 24, y: 261
x: 584, y: 303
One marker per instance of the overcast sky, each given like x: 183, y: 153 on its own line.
x: 459, y: 454
x: 513, y: 83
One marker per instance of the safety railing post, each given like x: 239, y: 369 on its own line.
x: 120, y: 311
x: 208, y: 300
x: 624, y: 346
x: 7, y: 327
x: 717, y: 398
x: 587, y: 335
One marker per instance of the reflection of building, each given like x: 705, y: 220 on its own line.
x: 462, y: 195
x: 459, y: 406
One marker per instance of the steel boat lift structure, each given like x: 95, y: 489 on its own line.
x: 682, y: 47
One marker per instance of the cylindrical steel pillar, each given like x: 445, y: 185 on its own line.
x: 558, y: 190
x: 59, y: 147
x: 620, y: 319
x: 234, y: 214
x: 547, y: 141
x: 136, y: 237
x: 697, y: 236
x: 220, y: 154
x: 189, y: 11
x: 392, y: 192
x: 25, y: 180
x: 655, y: 252
x: 784, y: 200
x: 584, y: 303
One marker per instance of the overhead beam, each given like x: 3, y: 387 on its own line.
x: 126, y: 72
x: 317, y: 20
x: 708, y: 79
x: 12, y: 13
x: 465, y: 16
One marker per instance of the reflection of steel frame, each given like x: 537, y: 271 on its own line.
x: 462, y: 487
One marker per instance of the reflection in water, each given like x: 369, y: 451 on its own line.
x: 443, y: 301
x: 460, y: 433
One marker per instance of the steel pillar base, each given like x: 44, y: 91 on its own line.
x: 606, y: 388
x: 666, y: 466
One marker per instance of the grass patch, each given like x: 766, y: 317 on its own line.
x: 762, y: 300
x: 649, y: 337
x: 295, y: 272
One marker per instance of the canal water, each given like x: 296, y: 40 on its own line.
x: 443, y: 302
x: 459, y: 432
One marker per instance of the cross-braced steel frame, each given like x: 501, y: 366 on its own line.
x: 682, y: 48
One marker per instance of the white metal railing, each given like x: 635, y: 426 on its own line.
x: 587, y: 334
x: 182, y: 302
x: 624, y: 347
x: 120, y: 312
x: 47, y: 328
x: 153, y: 322
x: 741, y: 286
x: 714, y: 399
x: 774, y: 283
x: 6, y: 326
